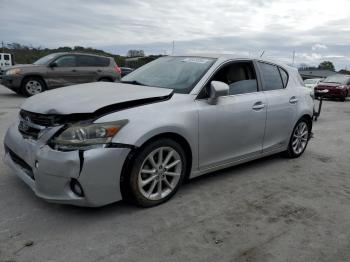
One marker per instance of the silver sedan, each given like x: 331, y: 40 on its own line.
x: 175, y: 118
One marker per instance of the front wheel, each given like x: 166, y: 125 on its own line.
x: 157, y: 172
x: 32, y: 86
x: 299, y: 139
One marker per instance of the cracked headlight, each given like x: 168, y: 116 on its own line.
x: 86, y: 136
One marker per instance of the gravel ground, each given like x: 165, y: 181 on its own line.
x: 273, y: 209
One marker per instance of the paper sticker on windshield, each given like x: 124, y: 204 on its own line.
x: 195, y: 60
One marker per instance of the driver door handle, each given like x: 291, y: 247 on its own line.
x: 258, y: 106
x: 293, y: 100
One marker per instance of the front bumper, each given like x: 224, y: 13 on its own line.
x: 12, y: 82
x: 331, y: 93
x: 49, y: 172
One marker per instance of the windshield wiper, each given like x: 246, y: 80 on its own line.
x: 133, y: 82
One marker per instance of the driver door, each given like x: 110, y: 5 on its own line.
x: 233, y: 128
x: 64, y: 72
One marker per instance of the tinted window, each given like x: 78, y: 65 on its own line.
x: 7, y: 57
x: 239, y: 76
x: 93, y: 61
x: 271, y: 76
x: 102, y: 61
x: 66, y: 61
x: 284, y: 76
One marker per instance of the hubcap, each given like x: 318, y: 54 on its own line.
x: 300, y: 137
x: 160, y: 173
x: 34, y: 87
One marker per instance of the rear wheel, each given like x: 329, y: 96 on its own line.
x: 157, y: 172
x: 299, y: 139
x: 105, y: 79
x: 32, y: 86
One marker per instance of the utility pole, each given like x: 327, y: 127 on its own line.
x: 3, y: 48
x: 172, y: 51
x: 293, y: 57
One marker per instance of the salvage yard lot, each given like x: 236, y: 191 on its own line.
x: 273, y: 209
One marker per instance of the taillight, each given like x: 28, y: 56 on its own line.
x: 118, y: 69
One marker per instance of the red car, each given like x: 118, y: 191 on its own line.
x: 338, y: 86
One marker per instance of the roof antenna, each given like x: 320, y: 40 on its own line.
x: 263, y: 52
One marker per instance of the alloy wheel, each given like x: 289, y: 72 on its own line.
x: 300, y: 137
x: 160, y: 173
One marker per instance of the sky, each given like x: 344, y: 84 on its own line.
x: 316, y: 30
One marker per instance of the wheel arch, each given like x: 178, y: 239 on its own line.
x: 308, y: 118
x: 33, y: 75
x: 105, y: 77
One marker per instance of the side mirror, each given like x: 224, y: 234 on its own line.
x: 217, y: 89
x: 53, y: 64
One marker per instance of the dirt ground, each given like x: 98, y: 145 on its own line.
x: 273, y: 209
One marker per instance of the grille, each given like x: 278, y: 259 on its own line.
x: 20, y: 162
x: 39, y: 119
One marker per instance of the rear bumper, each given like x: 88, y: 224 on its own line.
x: 49, y: 172
x: 12, y: 82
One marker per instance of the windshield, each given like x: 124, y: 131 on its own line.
x: 339, y: 79
x: 178, y: 73
x: 45, y: 60
x: 311, y: 81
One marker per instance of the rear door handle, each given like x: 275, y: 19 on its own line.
x: 258, y: 106
x: 74, y: 70
x: 293, y: 100
x: 99, y: 71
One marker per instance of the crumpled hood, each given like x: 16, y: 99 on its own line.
x: 88, y: 98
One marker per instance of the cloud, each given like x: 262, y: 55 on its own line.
x: 243, y: 27
x: 318, y: 47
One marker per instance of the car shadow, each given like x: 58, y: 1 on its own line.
x: 124, y: 207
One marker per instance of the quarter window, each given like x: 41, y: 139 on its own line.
x: 271, y: 77
x: 284, y: 76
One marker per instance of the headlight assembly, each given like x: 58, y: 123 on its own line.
x: 85, y: 136
x: 11, y: 72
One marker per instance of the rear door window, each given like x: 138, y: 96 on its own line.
x: 66, y: 61
x: 271, y: 77
x: 7, y: 57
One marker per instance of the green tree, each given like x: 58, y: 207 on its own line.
x: 328, y: 65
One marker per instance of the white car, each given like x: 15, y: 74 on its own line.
x: 312, y: 82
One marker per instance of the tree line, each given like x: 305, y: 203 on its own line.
x: 28, y: 54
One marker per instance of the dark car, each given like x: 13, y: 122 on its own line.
x: 337, y: 86
x: 60, y: 69
x: 126, y: 70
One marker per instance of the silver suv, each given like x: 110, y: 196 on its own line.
x: 60, y: 69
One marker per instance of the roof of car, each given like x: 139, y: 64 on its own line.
x: 78, y: 53
x: 235, y: 57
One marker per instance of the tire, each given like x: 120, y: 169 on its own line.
x: 299, y: 139
x: 32, y: 86
x: 344, y: 97
x: 160, y: 179
x: 105, y: 80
